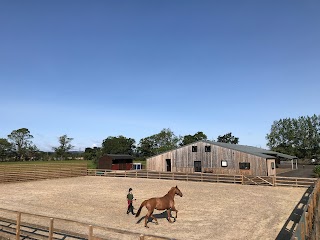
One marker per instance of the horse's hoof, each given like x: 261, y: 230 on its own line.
x: 157, y: 223
x: 146, y: 226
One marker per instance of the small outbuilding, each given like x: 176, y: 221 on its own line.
x: 115, y: 162
x: 219, y: 158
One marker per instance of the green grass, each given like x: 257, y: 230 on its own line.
x: 90, y: 164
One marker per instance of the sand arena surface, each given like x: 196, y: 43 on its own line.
x: 206, y: 210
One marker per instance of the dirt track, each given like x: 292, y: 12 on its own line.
x: 206, y: 211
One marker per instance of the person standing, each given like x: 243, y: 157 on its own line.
x: 130, y: 198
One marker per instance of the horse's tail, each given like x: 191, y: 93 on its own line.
x: 141, y: 206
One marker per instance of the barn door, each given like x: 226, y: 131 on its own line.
x: 122, y: 166
x: 197, y: 166
x: 271, y: 166
x: 168, y: 162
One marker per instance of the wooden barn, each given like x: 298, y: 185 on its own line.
x: 115, y: 162
x: 217, y: 157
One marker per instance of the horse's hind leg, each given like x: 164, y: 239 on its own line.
x: 147, y: 218
x: 153, y: 217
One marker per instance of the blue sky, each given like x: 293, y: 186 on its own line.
x: 93, y: 69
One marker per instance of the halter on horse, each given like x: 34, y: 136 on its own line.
x: 163, y: 203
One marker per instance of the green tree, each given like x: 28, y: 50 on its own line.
x: 158, y: 143
x: 118, y: 145
x: 92, y: 153
x: 282, y: 136
x: 316, y: 170
x: 300, y: 136
x: 21, y: 142
x: 228, y: 138
x: 187, y: 139
x: 33, y: 153
x: 64, y: 148
x: 5, y: 149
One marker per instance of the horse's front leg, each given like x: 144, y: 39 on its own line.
x: 174, y: 209
x: 169, y: 215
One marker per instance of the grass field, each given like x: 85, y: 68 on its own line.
x: 90, y: 163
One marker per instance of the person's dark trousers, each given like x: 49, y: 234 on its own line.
x: 130, y: 209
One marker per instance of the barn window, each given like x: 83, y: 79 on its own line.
x: 224, y: 163
x: 194, y: 149
x: 272, y: 165
x: 244, y: 165
x: 207, y: 148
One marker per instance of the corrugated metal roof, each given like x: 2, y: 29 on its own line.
x: 119, y: 156
x: 260, y: 152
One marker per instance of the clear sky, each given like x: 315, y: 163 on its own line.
x: 93, y: 69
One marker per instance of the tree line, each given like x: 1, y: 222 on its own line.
x: 155, y: 144
x: 18, y: 146
x: 296, y: 136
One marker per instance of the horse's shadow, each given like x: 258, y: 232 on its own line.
x: 157, y: 216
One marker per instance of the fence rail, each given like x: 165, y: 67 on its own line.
x: 208, y: 177
x: 30, y: 172
x: 309, y: 224
x: 25, y: 225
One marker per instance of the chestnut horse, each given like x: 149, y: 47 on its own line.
x: 163, y: 203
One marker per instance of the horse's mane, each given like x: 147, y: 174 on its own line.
x: 171, y: 189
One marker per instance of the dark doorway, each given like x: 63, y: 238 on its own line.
x: 168, y: 161
x: 197, y: 166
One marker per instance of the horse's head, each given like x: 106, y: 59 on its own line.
x: 177, y: 191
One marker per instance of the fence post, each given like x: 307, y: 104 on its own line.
x: 306, y: 223
x: 187, y: 177
x: 274, y: 181
x: 18, y: 226
x: 172, y: 175
x: 242, y: 178
x: 201, y: 177
x: 141, y: 237
x: 20, y: 173
x: 51, y: 229
x: 125, y: 173
x: 147, y: 174
x: 136, y: 174
x: 90, y: 237
x: 317, y: 217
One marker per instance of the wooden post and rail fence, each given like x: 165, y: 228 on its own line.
x: 309, y: 224
x: 25, y: 227
x: 208, y: 177
x: 30, y: 172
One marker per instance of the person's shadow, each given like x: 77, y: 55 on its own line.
x: 288, y: 229
x: 157, y: 216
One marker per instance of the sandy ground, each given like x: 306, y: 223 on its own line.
x: 206, y: 210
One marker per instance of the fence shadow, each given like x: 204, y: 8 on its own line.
x: 288, y: 228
